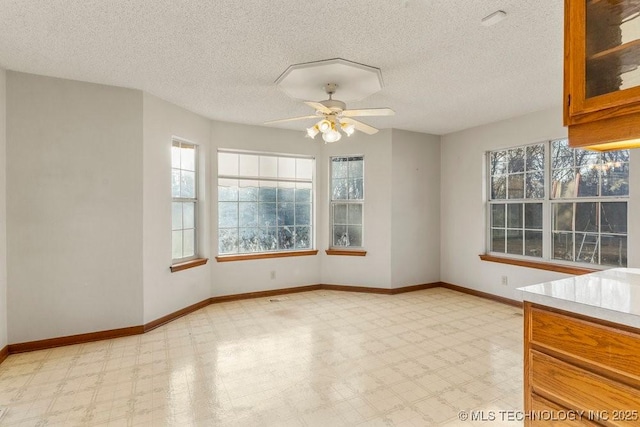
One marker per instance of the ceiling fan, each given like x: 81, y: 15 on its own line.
x: 335, y: 117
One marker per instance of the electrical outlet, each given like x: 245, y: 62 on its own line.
x: 273, y: 274
x: 505, y: 281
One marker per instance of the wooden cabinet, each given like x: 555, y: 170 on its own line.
x: 601, y: 71
x: 580, y: 371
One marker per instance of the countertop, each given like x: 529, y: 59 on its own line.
x: 612, y: 295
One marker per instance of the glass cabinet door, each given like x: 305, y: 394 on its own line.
x: 611, y: 47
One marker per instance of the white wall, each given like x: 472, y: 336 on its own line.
x: 249, y: 276
x: 3, y: 209
x: 463, y: 196
x: 374, y: 269
x: 74, y: 207
x: 415, y: 209
x: 166, y: 292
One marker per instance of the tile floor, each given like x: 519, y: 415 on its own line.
x: 322, y: 358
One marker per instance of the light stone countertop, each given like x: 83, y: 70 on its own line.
x: 612, y: 295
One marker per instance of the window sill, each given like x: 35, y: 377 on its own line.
x: 188, y: 264
x: 347, y: 252
x: 566, y: 269
x: 264, y: 255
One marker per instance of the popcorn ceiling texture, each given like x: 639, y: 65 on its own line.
x: 442, y: 70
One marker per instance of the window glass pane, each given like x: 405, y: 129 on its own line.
x: 497, y: 216
x: 188, y: 185
x: 356, y: 189
x: 286, y: 192
x: 498, y: 240
x: 303, y: 192
x: 354, y: 216
x: 514, y: 215
x: 613, y: 250
x: 586, y: 158
x: 562, y: 155
x: 356, y: 168
x: 176, y: 244
x: 533, y: 215
x: 355, y: 235
x: 498, y: 187
x: 188, y: 158
x: 587, y: 246
x: 268, y: 167
x: 586, y: 217
x: 175, y: 183
x: 588, y: 182
x: 268, y: 192
x: 188, y: 248
x: 498, y: 161
x: 514, y: 242
x: 248, y: 191
x: 340, y: 237
x: 304, y: 168
x: 563, y: 216
x: 614, y: 217
x: 533, y: 243
x: 302, y: 237
x: 286, y: 238
x: 267, y: 215
x: 615, y: 178
x: 339, y: 167
x: 516, y: 186
x: 189, y: 215
x: 248, y: 215
x: 227, y: 164
x: 339, y: 213
x: 175, y: 156
x: 339, y: 189
x: 227, y: 214
x: 286, y: 214
x: 227, y: 240
x: 248, y: 240
x: 249, y: 165
x: 227, y: 190
x: 268, y: 239
x: 516, y: 160
x: 564, y: 184
x: 303, y: 214
x: 176, y: 216
x: 563, y: 246
x: 286, y: 167
x: 535, y: 157
x: 535, y: 185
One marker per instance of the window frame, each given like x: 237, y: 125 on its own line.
x: 279, y: 252
x: 195, y: 200
x: 548, y: 205
x: 349, y: 202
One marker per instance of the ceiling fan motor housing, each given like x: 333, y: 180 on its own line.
x: 334, y: 105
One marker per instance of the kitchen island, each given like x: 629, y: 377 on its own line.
x: 582, y: 350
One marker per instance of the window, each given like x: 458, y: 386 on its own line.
x: 185, y: 200
x: 265, y: 202
x: 347, y: 201
x: 580, y: 216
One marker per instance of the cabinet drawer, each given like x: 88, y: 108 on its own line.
x: 551, y: 414
x: 578, y: 389
x: 610, y: 348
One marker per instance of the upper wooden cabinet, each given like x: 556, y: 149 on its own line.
x: 601, y: 74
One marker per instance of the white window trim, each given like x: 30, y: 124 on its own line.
x: 194, y: 200
x: 547, y: 206
x: 333, y: 202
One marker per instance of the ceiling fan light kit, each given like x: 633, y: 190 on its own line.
x: 360, y: 81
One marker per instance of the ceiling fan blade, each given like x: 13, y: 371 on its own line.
x: 362, y: 127
x: 290, y: 120
x: 369, y: 112
x: 318, y: 106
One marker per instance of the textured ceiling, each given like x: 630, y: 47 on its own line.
x: 442, y: 70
